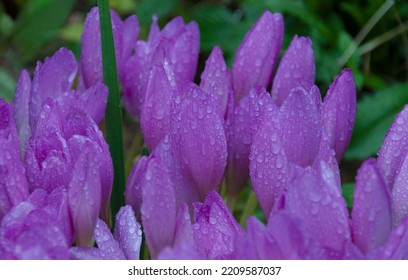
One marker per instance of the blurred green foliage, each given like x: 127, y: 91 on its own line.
x: 369, y: 37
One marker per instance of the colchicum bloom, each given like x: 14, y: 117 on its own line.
x: 56, y: 171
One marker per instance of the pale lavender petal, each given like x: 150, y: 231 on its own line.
x: 155, y: 117
x: 183, y: 55
x: 215, y: 228
x: 339, y: 112
x: 291, y: 239
x: 241, y: 127
x: 51, y: 79
x: 321, y: 209
x: 85, y: 253
x: 296, y: 67
x: 13, y: 183
x: 185, y: 193
x: 93, y: 101
x: 184, y: 246
x: 269, y: 167
x: 198, y: 141
x: 371, y: 216
x: 216, y: 79
x: 256, y: 56
x: 254, y: 245
x: 109, y: 248
x: 21, y: 108
x: 130, y: 32
x: 396, y: 247
x: 91, y: 54
x: 394, y: 147
x: 134, y: 184
x: 128, y: 233
x: 57, y: 206
x: 399, y: 193
x: 300, y: 123
x: 85, y: 196
x: 158, y: 198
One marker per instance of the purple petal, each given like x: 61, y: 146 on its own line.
x: 185, y: 193
x: 184, y: 246
x: 215, y: 229
x: 91, y: 54
x: 291, y: 239
x: 394, y: 147
x: 257, y: 54
x: 85, y: 196
x: 109, y: 248
x: 400, y: 193
x: 155, y: 117
x: 321, y: 208
x: 91, y: 102
x: 296, y: 67
x: 85, y: 253
x: 371, y: 216
x: 183, y: 56
x: 21, y: 108
x: 158, y: 198
x: 198, y: 141
x: 339, y: 112
x: 216, y: 79
x: 269, y: 166
x: 254, y: 246
x: 130, y: 31
x: 396, y: 247
x: 134, y: 185
x: 13, y: 183
x: 51, y: 79
x: 128, y: 233
x: 301, y: 125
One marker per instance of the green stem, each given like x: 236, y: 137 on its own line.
x: 113, y: 118
x: 249, y: 208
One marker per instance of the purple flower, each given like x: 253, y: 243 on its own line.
x: 178, y: 43
x: 123, y: 244
x: 13, y: 183
x: 257, y: 54
x: 124, y: 35
x: 38, y: 228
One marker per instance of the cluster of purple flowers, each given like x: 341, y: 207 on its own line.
x: 56, y: 172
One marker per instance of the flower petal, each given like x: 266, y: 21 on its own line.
x: 128, y: 233
x: 256, y: 56
x: 400, y: 193
x: 216, y: 79
x: 198, y: 141
x: 109, y: 248
x: 300, y: 125
x: 394, y: 147
x: 371, y: 216
x: 51, y: 80
x: 155, y: 117
x: 158, y: 198
x: 296, y: 67
x: 215, y: 229
x: 21, y: 108
x: 321, y: 208
x: 269, y: 167
x: 339, y: 112
x: 85, y: 196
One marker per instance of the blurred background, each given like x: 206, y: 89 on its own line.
x: 368, y: 36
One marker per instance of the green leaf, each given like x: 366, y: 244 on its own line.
x: 113, y: 118
x: 38, y: 23
x: 348, y: 194
x: 7, y: 85
x: 375, y: 114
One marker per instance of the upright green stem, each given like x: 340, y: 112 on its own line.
x: 113, y: 118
